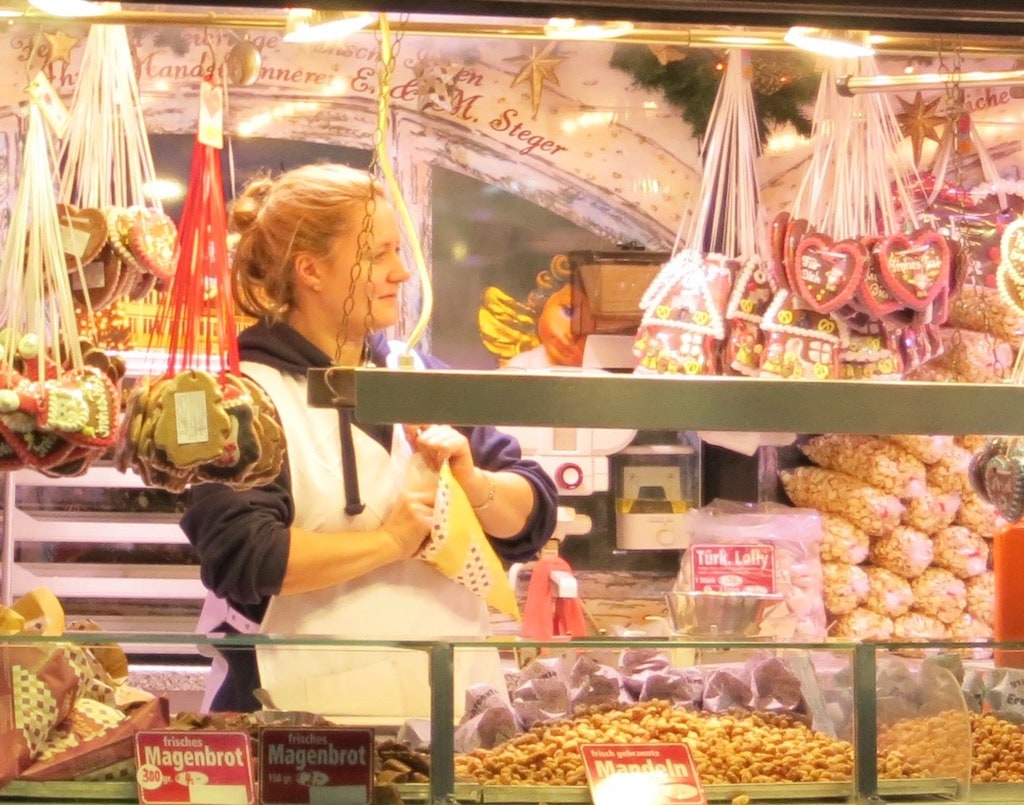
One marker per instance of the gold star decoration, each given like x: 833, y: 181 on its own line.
x: 538, y: 68
x: 61, y: 45
x: 919, y: 122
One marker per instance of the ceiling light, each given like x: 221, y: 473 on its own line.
x: 307, y: 25
x: 826, y: 42
x: 568, y: 28
x: 68, y: 8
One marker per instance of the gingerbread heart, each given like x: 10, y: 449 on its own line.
x: 83, y: 233
x: 872, y: 295
x: 153, y: 238
x: 1004, y: 485
x: 101, y: 277
x: 914, y: 268
x: 777, y: 258
x: 976, y: 468
x: 795, y: 230
x: 119, y: 223
x: 1009, y: 289
x: 1011, y: 250
x: 828, y: 274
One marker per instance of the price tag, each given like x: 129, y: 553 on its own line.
x: 211, y: 115
x: 316, y: 765
x: 41, y: 91
x: 173, y: 766
x: 642, y: 774
x: 733, y: 568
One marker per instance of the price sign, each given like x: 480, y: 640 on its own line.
x: 642, y: 774
x: 194, y: 767
x: 316, y: 764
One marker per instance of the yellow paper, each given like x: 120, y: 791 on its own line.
x: 459, y: 549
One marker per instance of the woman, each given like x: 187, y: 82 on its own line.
x: 318, y: 264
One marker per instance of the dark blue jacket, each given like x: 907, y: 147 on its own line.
x: 242, y: 537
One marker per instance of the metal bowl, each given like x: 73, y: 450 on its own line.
x: 717, y: 614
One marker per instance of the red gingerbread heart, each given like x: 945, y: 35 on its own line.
x: 914, y: 268
x: 777, y: 260
x: 795, y: 230
x: 828, y: 274
x: 872, y: 296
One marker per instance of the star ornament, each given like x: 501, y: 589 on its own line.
x: 60, y: 46
x: 919, y: 122
x: 538, y: 68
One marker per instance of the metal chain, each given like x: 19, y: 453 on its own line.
x: 961, y: 275
x: 364, y: 240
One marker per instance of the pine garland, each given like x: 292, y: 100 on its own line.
x: 691, y: 84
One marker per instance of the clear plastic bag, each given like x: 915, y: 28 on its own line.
x: 759, y: 549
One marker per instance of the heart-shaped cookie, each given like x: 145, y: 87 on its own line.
x: 828, y: 274
x: 795, y: 230
x: 872, y: 295
x: 976, y: 468
x: 1010, y: 290
x: 914, y: 268
x: 777, y: 259
x: 101, y: 278
x: 153, y: 238
x: 83, y: 233
x: 119, y: 224
x: 1004, y: 485
x: 1011, y: 250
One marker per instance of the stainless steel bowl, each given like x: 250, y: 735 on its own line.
x: 717, y: 614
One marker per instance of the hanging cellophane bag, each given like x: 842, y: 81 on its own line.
x: 716, y: 283
x: 201, y: 420
x: 985, y: 326
x: 57, y: 414
x: 997, y: 469
x: 865, y: 284
x: 119, y: 243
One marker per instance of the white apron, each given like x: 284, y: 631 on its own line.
x: 405, y: 600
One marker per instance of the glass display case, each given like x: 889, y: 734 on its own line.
x: 774, y: 722
x: 786, y: 722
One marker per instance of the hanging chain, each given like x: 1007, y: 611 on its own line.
x: 364, y: 240
x: 954, y: 110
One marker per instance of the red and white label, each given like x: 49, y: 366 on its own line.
x: 733, y: 568
x: 642, y: 774
x: 316, y: 765
x: 194, y: 767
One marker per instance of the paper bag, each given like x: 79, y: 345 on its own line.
x: 458, y: 548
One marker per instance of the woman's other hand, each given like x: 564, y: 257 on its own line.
x: 408, y: 524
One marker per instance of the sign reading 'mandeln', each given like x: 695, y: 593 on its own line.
x: 642, y: 774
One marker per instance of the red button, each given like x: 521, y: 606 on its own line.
x: 569, y: 476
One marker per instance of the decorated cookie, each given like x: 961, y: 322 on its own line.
x: 83, y: 233
x: 192, y: 427
x: 1004, y: 483
x: 153, y: 241
x: 119, y: 225
x: 827, y: 274
x: 914, y: 268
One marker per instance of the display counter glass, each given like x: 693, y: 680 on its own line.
x: 771, y: 721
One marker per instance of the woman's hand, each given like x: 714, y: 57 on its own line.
x: 408, y: 524
x: 439, y: 442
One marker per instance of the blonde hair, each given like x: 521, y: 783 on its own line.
x: 304, y: 210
